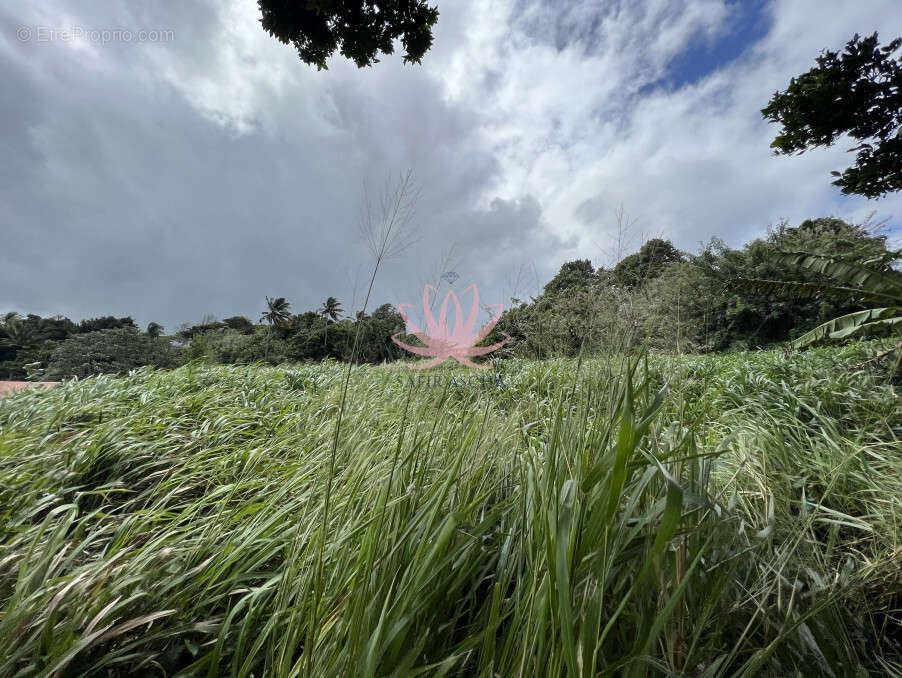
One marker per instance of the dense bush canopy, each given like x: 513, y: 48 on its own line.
x: 108, y: 352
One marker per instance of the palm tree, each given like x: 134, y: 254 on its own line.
x: 330, y: 310
x: 154, y: 330
x: 19, y: 335
x: 277, y: 314
x: 871, y: 283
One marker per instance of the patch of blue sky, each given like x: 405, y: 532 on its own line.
x: 749, y: 22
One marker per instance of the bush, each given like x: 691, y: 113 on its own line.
x: 114, y: 351
x: 229, y: 346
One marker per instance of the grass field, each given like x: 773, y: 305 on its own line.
x: 701, y: 516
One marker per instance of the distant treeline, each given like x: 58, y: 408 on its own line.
x: 660, y: 296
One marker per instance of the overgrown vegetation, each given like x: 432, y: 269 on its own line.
x: 695, y: 515
x: 876, y: 287
x: 671, y: 300
x: 686, y: 303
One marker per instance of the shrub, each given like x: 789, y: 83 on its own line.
x: 114, y: 351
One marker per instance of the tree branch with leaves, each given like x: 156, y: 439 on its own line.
x: 858, y: 93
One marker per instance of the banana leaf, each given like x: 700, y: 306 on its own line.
x: 886, y: 284
x: 847, y: 325
x: 808, y: 290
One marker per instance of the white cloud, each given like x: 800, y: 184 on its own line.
x: 572, y: 129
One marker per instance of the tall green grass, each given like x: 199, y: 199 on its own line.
x: 698, y: 516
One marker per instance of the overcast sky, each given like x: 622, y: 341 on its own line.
x: 197, y: 167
